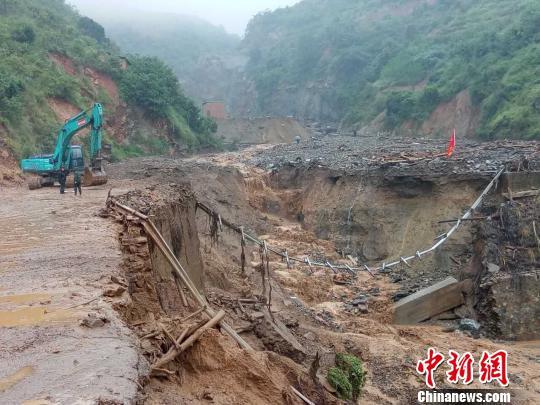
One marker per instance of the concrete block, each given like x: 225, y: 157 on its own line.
x: 429, y: 302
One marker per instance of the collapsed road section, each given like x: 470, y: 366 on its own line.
x: 305, y: 319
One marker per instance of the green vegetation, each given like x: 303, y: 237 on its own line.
x: 404, y: 57
x: 153, y: 86
x: 92, y: 29
x: 340, y: 382
x: 348, y: 377
x: 141, y: 143
x: 36, y: 37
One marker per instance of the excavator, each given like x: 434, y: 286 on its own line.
x: 47, y: 167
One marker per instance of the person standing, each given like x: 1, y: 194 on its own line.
x: 62, y: 180
x: 77, y: 182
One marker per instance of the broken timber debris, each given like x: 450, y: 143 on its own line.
x: 177, y: 350
x: 521, y: 194
x: 152, y: 232
x: 429, y: 302
x: 302, y: 396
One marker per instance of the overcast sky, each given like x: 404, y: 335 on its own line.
x: 231, y: 14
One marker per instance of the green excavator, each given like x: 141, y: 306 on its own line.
x: 47, y: 167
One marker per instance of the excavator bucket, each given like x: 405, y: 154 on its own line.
x: 94, y: 177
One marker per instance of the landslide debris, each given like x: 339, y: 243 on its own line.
x: 323, y: 314
x: 400, y: 157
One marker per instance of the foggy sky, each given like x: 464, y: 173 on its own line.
x: 233, y: 15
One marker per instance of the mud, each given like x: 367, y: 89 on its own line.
x: 9, y: 168
x: 11, y: 380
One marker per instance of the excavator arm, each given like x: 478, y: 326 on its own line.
x: 92, y: 117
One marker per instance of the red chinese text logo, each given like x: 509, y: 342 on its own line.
x: 461, y: 368
x: 429, y: 366
x: 491, y: 367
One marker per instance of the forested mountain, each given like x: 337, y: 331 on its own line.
x: 55, y: 62
x: 412, y: 65
x: 203, y: 56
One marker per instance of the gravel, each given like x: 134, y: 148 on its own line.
x: 400, y: 156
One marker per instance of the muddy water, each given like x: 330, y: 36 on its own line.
x: 9, y: 381
x: 24, y: 298
x: 35, y: 316
x: 55, y: 249
x: 37, y: 402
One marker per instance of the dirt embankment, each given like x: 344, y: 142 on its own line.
x: 457, y: 113
x: 376, y: 218
x: 459, y: 110
x: 257, y: 131
x: 214, y: 369
x: 9, y: 168
x: 505, y: 268
x: 116, y: 112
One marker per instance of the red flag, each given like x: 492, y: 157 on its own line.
x: 451, y: 144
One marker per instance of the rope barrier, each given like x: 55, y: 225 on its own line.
x: 441, y: 239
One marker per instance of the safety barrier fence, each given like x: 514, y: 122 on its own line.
x: 359, y: 266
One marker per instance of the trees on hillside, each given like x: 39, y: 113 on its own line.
x: 150, y: 84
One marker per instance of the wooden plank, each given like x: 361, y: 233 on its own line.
x: 521, y: 194
x: 428, y: 302
x: 161, y: 244
x: 520, y: 181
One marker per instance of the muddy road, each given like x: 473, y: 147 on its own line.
x: 56, y: 258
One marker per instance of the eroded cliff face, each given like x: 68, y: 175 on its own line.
x: 176, y: 222
x: 380, y: 219
x: 324, y: 212
x: 507, y: 273
x: 149, y: 277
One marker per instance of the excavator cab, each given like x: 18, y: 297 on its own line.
x: 93, y: 176
x: 76, y: 161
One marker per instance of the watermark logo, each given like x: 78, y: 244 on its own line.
x: 492, y: 367
x: 461, y: 368
x: 428, y: 366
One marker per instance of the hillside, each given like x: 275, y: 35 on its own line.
x: 204, y: 57
x: 55, y: 63
x: 418, y: 66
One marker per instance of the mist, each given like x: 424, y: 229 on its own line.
x: 232, y: 15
